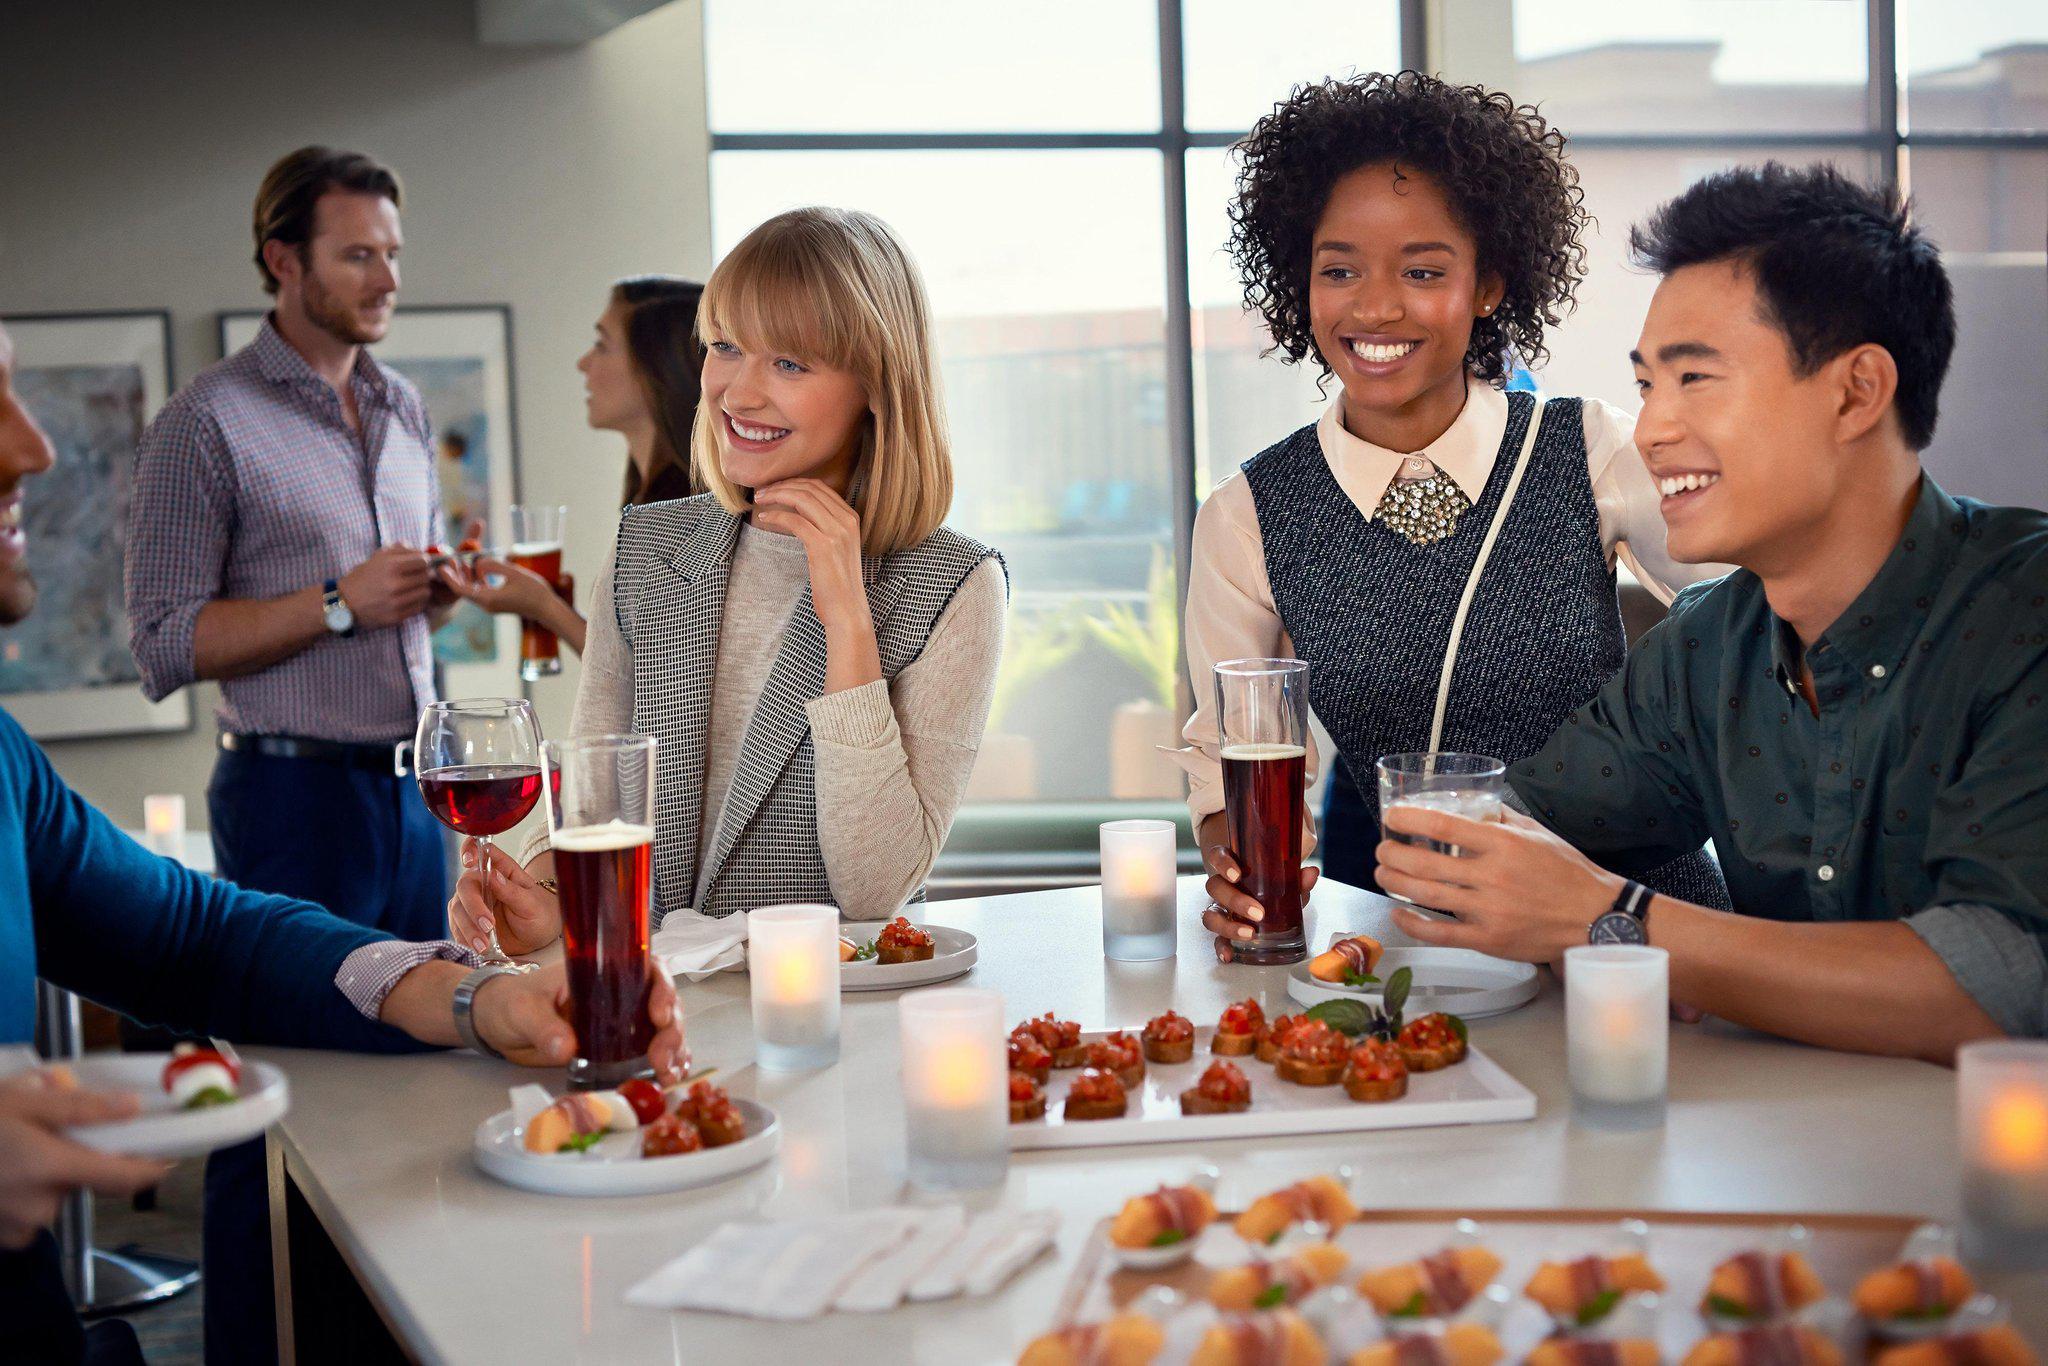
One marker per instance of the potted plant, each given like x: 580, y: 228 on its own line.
x: 1006, y: 768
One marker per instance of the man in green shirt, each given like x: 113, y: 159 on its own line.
x: 1857, y: 717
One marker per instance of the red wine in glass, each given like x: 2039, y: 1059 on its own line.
x: 478, y: 765
x: 481, y: 799
x: 606, y: 878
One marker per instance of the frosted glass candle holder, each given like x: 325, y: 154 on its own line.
x: 956, y: 1089
x: 163, y: 824
x: 2002, y: 1137
x: 793, y: 969
x: 1138, y: 892
x: 1617, y: 1001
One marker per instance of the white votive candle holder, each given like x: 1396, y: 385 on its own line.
x: 1138, y: 891
x: 956, y: 1089
x: 2002, y: 1136
x: 1617, y: 1006
x: 793, y: 967
x: 163, y: 824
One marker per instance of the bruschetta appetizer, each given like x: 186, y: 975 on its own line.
x: 1374, y: 1070
x: 902, y: 942
x: 1312, y: 1054
x: 1237, y: 1033
x: 1168, y: 1038
x: 1222, y: 1090
x: 1027, y: 1098
x: 1118, y: 1053
x: 1029, y: 1056
x: 1429, y: 1042
x: 1061, y: 1038
x: 1271, y: 1036
x: 1096, y: 1094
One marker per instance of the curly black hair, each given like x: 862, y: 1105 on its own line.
x: 1501, y: 164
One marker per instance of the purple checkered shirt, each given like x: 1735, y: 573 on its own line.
x: 367, y: 975
x: 249, y: 484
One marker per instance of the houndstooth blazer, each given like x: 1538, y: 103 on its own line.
x: 668, y: 591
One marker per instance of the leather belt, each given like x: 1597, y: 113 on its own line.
x: 392, y: 759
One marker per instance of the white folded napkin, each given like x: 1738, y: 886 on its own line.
x: 862, y: 1263
x: 695, y: 946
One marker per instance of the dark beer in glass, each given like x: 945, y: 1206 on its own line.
x: 537, y: 546
x: 1262, y: 718
x: 600, y: 804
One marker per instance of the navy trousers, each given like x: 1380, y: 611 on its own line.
x: 363, y: 845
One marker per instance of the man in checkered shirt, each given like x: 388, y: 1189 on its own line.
x: 284, y: 503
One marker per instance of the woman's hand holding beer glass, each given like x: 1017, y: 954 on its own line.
x: 528, y: 915
x: 1518, y: 890
x: 1233, y: 913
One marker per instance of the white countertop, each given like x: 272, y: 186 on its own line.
x: 469, y: 1270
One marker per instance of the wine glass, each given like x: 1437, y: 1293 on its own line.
x: 478, y: 764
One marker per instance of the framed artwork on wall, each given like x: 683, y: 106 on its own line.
x: 93, y: 381
x: 460, y: 358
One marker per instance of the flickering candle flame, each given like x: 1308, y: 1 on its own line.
x: 2016, y: 1131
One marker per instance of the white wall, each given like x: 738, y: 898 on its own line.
x: 133, y: 135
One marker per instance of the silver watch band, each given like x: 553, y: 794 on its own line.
x: 465, y: 999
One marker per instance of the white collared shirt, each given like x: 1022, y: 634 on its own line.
x: 1230, y: 612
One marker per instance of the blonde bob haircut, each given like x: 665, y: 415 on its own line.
x: 835, y: 288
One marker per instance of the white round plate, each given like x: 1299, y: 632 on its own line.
x: 499, y: 1151
x: 162, y: 1129
x: 953, y: 954
x: 1461, y: 982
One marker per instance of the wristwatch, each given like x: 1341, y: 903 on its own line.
x: 334, y: 611
x: 464, y: 1006
x: 1627, y: 921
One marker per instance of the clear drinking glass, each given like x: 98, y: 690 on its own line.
x: 1469, y: 785
x: 600, y: 804
x: 478, y: 765
x: 1262, y: 722
x: 537, y: 545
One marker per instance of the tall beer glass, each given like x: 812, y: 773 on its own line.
x: 1262, y: 720
x: 537, y: 545
x: 600, y: 803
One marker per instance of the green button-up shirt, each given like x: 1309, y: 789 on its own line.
x: 1918, y: 793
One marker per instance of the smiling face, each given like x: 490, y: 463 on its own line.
x: 1743, y: 447
x: 614, y: 399
x: 1394, y: 287
x: 778, y: 416
x: 24, y: 452
x: 347, y: 280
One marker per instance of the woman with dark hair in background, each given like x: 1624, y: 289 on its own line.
x: 641, y: 379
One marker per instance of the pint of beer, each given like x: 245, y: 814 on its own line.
x: 600, y: 804
x: 537, y: 545
x: 1262, y: 720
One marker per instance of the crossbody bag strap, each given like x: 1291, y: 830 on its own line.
x: 1500, y: 517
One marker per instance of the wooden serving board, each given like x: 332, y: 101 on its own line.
x: 1683, y: 1247
x: 1475, y: 1091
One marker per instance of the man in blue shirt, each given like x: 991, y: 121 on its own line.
x: 85, y: 907
x: 1856, y: 717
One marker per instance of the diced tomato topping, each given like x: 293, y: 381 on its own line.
x: 1053, y: 1034
x: 1430, y: 1031
x: 1022, y: 1087
x: 1313, y: 1041
x: 671, y: 1135
x: 1170, y: 1028
x: 1026, y: 1055
x: 1378, y: 1060
x: 1095, y: 1084
x: 1222, y: 1081
x: 901, y: 934
x: 1245, y: 1017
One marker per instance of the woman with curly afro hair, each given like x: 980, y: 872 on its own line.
x: 1442, y: 552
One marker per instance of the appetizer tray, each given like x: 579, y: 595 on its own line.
x: 499, y: 1151
x: 1683, y: 1248
x: 162, y: 1129
x: 953, y: 955
x: 1475, y: 1091
x: 1457, y: 981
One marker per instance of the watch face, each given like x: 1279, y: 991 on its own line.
x: 339, y: 618
x: 1617, y: 927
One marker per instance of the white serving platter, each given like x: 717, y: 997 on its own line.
x: 1475, y: 1091
x: 162, y: 1129
x: 614, y: 1166
x: 953, y: 955
x: 1460, y: 982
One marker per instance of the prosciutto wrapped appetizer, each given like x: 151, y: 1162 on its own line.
x: 1761, y: 1286
x: 1570, y: 1289
x: 1169, y: 1215
x: 1794, y: 1345
x: 1439, y: 1284
x: 1320, y: 1198
x: 1353, y: 957
x: 1461, y: 1344
x: 1126, y: 1340
x: 1279, y: 1338
x: 1920, y: 1290
x: 1595, y: 1352
x: 1999, y: 1346
x: 577, y: 1121
x: 1290, y: 1280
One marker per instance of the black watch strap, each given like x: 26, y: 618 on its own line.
x: 1634, y: 900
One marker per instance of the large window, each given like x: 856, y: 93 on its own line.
x: 1062, y: 172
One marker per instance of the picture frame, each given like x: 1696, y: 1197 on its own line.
x: 459, y: 356
x: 93, y: 380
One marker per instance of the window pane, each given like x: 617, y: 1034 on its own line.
x: 1589, y: 351
x: 1974, y: 64
x: 1989, y: 212
x: 1054, y: 366
x: 931, y: 66
x: 1244, y: 402
x: 1237, y: 70
x: 1617, y: 66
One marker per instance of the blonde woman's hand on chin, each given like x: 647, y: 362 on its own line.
x: 814, y: 512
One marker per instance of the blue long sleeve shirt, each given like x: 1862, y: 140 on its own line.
x: 89, y: 909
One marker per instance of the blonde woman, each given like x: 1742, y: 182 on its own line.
x: 815, y: 651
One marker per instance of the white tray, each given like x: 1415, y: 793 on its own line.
x: 1475, y: 1091
x: 498, y: 1151
x: 1463, y: 982
x: 162, y: 1129
x: 953, y: 955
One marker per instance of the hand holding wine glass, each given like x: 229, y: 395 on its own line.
x: 526, y: 916
x: 478, y: 765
